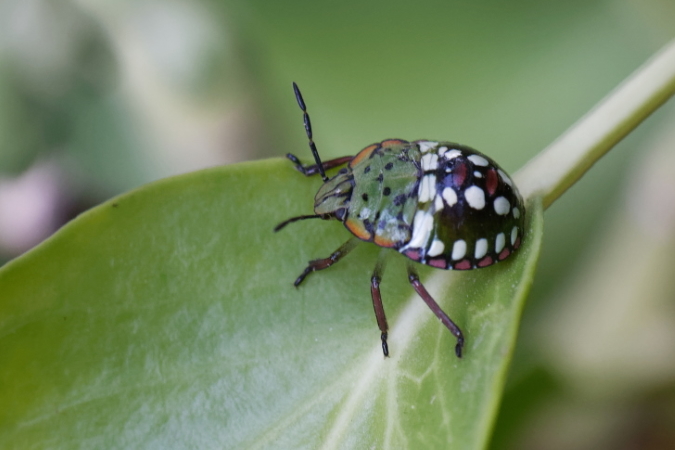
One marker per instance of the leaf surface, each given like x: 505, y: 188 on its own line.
x: 167, y: 318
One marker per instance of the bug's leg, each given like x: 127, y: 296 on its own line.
x: 422, y: 292
x: 320, y: 264
x: 314, y: 168
x: 377, y: 303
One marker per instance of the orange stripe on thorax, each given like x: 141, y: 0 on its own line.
x: 357, y: 228
x: 390, y: 142
x: 363, y: 154
x: 384, y: 242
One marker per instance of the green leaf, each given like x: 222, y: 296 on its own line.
x: 167, y: 318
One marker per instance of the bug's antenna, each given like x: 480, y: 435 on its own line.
x: 308, y: 129
x: 295, y: 219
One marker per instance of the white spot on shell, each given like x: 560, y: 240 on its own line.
x: 514, y: 235
x: 429, y: 161
x: 499, y: 242
x: 481, y: 248
x: 425, y: 146
x: 436, y: 248
x: 454, y: 153
x: 478, y: 160
x: 458, y: 249
x: 477, y: 174
x: 450, y: 196
x: 502, y: 206
x: 438, y: 203
x: 427, y: 190
x: 505, y: 177
x: 516, y: 212
x: 422, y: 226
x: 475, y: 197
x: 441, y: 150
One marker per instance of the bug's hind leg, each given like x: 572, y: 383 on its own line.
x: 314, y: 168
x: 325, y: 263
x: 377, y: 303
x: 431, y: 303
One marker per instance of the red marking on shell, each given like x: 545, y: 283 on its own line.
x: 438, y: 262
x: 459, y: 174
x: 412, y: 254
x: 464, y: 264
x: 485, y: 261
x: 506, y: 252
x: 363, y: 154
x: 491, y: 181
x: 357, y: 229
x: 389, y: 142
x: 517, y: 244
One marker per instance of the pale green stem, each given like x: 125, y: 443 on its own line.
x: 562, y: 163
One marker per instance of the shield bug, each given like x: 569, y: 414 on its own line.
x: 438, y: 203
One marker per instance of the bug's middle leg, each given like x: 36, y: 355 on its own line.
x: 431, y: 303
x: 377, y: 304
x: 325, y: 263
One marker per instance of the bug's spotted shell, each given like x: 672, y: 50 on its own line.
x: 442, y: 204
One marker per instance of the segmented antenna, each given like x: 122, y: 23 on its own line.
x: 308, y: 129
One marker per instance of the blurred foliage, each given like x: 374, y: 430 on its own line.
x: 122, y: 93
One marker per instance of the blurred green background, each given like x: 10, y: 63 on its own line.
x: 100, y: 96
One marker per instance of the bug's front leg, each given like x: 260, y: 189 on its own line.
x: 325, y: 263
x: 314, y: 168
x: 431, y: 303
x: 378, y: 306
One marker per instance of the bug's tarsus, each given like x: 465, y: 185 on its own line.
x: 298, y: 165
x: 295, y: 219
x: 431, y: 303
x: 458, y: 347
x: 325, y: 263
x: 385, y: 347
x: 309, y: 269
x: 308, y: 130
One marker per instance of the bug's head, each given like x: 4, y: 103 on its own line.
x: 334, y: 196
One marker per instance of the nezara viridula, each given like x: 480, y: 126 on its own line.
x: 438, y: 203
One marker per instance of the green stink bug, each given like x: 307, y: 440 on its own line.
x: 438, y: 203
